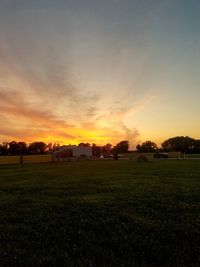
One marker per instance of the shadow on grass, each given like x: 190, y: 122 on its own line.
x: 84, y: 234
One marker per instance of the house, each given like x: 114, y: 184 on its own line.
x: 73, y: 151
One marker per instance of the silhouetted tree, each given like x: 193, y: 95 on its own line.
x: 22, y: 148
x: 16, y: 148
x: 121, y: 147
x: 179, y: 143
x: 147, y: 147
x: 196, y: 146
x: 13, y: 148
x: 84, y: 144
x: 106, y: 149
x: 49, y: 147
x: 4, y: 149
x: 37, y: 148
x: 96, y: 150
x: 55, y: 146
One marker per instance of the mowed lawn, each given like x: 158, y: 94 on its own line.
x: 100, y: 213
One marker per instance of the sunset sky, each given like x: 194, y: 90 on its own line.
x: 99, y: 71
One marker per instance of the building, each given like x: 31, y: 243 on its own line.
x: 73, y: 151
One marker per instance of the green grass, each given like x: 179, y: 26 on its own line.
x: 101, y: 213
x: 190, y: 156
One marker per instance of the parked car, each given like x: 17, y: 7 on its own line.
x: 160, y: 156
x: 107, y: 156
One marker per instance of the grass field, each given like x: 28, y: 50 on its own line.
x: 100, y: 213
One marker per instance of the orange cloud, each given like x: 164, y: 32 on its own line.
x: 28, y: 120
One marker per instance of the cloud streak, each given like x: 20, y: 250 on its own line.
x: 67, y: 79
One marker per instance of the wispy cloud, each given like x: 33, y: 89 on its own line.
x: 66, y: 79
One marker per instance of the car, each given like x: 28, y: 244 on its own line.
x: 160, y: 156
x: 107, y: 156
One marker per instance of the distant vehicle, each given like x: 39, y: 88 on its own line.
x: 160, y: 156
x: 107, y: 156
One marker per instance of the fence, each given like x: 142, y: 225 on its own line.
x: 150, y: 156
x: 26, y: 159
x: 50, y: 158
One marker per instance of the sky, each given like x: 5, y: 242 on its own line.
x: 99, y: 71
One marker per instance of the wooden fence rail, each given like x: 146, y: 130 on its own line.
x: 25, y: 159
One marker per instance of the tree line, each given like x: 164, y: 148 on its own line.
x: 38, y: 148
x: 17, y: 148
x: 183, y: 144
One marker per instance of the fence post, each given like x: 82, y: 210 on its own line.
x: 54, y: 157
x: 21, y: 159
